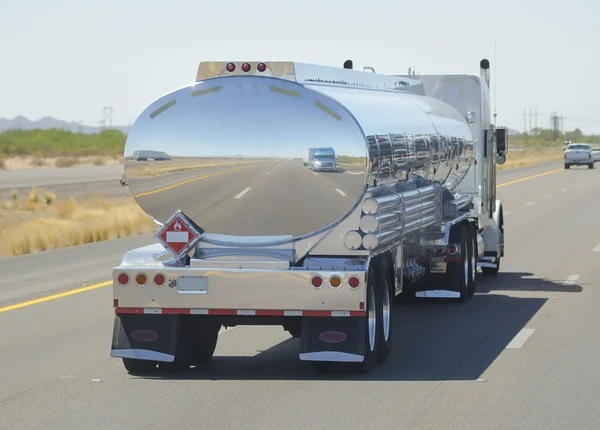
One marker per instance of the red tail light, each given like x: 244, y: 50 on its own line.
x: 353, y: 282
x: 159, y: 279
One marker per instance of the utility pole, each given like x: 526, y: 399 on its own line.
x: 536, y: 128
x: 555, y: 125
x: 524, y: 120
x: 107, y: 116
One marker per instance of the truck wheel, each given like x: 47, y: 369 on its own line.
x: 384, y: 309
x: 133, y: 365
x: 457, y: 274
x: 472, y: 260
x: 591, y: 166
x: 567, y: 166
x: 371, y: 326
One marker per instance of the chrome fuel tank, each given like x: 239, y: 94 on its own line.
x: 230, y: 150
x: 409, y: 135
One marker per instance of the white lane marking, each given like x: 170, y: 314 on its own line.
x: 563, y: 190
x: 242, y: 193
x: 548, y: 195
x: 315, y: 173
x: 519, y: 340
x: 268, y: 173
x: 571, y: 280
x: 340, y: 191
x: 530, y: 203
x: 355, y: 173
x: 596, y: 249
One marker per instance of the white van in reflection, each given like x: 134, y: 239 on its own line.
x: 321, y: 159
x: 146, y: 154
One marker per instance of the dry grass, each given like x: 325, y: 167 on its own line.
x: 531, y: 157
x: 36, y: 162
x: 39, y: 222
x: 148, y: 169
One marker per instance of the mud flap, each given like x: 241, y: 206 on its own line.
x: 145, y: 337
x: 339, y: 339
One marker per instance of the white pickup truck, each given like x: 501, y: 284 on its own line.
x: 577, y: 154
x: 596, y: 154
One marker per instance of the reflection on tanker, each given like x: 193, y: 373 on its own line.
x: 260, y: 156
x: 228, y: 153
x: 442, y: 158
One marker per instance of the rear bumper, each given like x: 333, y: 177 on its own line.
x: 204, y: 291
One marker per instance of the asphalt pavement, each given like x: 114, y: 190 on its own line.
x: 56, y: 176
x: 522, y: 354
x: 277, y: 198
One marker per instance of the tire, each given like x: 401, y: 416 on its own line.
x: 458, y: 273
x: 591, y: 166
x: 567, y: 166
x: 371, y: 320
x: 472, y: 285
x: 385, y: 322
x: 135, y: 366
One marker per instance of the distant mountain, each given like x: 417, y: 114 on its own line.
x: 47, y: 122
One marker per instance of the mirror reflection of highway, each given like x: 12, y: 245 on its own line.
x: 264, y: 198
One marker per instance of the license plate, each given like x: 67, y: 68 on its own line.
x: 192, y: 285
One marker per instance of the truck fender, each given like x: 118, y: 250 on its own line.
x: 491, y: 233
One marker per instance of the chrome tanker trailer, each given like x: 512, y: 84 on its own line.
x: 248, y: 236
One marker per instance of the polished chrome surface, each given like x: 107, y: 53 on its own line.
x: 230, y: 157
x: 247, y: 287
x: 233, y: 152
x: 314, y: 74
x: 409, y: 135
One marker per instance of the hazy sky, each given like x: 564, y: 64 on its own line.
x: 69, y: 59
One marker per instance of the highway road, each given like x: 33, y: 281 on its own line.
x: 59, y: 176
x: 275, y: 198
x: 522, y: 354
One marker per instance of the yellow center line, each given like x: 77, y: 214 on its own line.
x: 526, y: 178
x: 107, y: 283
x: 55, y: 296
x: 193, y: 180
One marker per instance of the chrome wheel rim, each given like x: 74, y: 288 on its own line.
x: 372, y: 319
x: 473, y: 264
x: 386, y: 312
x: 466, y: 265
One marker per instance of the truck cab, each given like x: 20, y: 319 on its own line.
x: 323, y: 159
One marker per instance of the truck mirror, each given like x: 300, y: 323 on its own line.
x: 501, y: 140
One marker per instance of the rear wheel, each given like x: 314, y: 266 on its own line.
x: 567, y: 166
x: 472, y: 240
x: 591, y: 166
x: 384, y: 311
x: 371, y: 326
x: 458, y: 274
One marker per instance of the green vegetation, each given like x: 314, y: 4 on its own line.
x: 346, y: 159
x: 61, y: 143
x: 541, y: 137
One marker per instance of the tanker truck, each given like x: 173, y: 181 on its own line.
x: 246, y: 235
